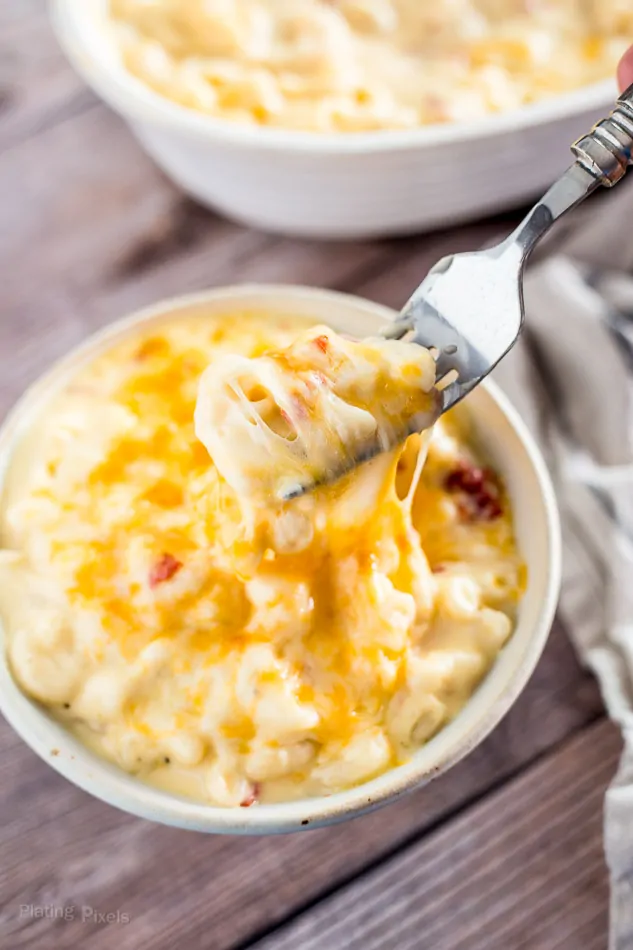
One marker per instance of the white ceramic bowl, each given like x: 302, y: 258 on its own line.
x: 336, y: 185
x: 511, y: 449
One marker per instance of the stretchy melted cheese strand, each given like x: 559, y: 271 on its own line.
x: 281, y: 423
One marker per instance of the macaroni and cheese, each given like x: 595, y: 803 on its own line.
x: 279, y: 424
x: 357, y: 65
x: 237, y: 660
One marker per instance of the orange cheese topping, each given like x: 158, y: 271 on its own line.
x: 299, y: 652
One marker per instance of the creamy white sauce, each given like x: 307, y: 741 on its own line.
x: 295, y: 656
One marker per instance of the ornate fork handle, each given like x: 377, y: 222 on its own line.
x: 602, y: 158
x: 606, y: 151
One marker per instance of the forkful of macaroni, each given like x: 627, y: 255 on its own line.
x: 283, y: 423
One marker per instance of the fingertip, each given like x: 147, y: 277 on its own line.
x: 625, y: 70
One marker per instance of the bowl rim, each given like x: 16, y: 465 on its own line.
x: 105, y: 781
x: 133, y: 99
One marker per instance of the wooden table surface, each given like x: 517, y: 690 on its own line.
x: 504, y: 852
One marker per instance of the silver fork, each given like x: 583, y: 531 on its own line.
x: 470, y: 306
x: 469, y: 309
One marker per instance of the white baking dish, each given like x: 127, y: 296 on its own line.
x: 343, y: 185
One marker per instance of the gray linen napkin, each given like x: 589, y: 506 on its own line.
x: 571, y: 377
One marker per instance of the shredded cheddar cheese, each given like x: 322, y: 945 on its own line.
x: 240, y: 660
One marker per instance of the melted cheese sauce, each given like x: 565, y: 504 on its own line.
x: 358, y: 65
x: 233, y: 661
x: 283, y: 422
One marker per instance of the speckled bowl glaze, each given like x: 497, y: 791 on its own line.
x: 510, y: 448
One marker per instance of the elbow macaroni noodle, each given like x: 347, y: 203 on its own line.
x: 291, y: 418
x: 360, y: 65
x: 299, y: 655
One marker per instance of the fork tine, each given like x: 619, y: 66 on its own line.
x: 369, y: 450
x: 398, y: 328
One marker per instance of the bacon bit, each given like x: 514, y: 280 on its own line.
x: 253, y: 796
x: 438, y: 569
x: 481, y: 491
x: 322, y: 342
x: 487, y: 508
x: 163, y: 570
x: 284, y: 415
x: 464, y: 477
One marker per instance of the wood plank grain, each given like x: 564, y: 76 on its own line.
x: 61, y: 848
x: 522, y: 869
x: 38, y: 88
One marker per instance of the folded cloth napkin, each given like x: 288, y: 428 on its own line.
x: 571, y: 377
